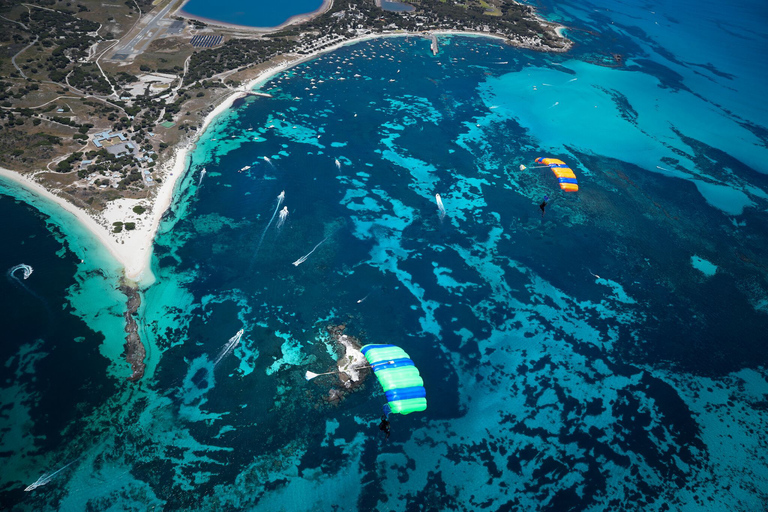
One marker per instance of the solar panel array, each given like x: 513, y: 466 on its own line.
x: 206, y: 41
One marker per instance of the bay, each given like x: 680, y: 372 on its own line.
x: 579, y: 360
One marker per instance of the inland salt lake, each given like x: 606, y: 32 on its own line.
x: 249, y: 13
x: 609, y: 355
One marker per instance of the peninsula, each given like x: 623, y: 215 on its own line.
x: 101, y: 102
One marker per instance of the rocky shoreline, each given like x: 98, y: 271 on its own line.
x: 352, y: 365
x: 134, y: 351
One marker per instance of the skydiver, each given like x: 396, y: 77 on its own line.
x: 543, y: 205
x: 384, y: 425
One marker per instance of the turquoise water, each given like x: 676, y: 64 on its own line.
x: 260, y: 13
x: 605, y: 356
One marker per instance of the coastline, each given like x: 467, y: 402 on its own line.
x: 298, y: 18
x: 85, y: 220
x: 133, y: 249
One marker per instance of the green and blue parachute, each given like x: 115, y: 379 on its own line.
x: 399, y: 377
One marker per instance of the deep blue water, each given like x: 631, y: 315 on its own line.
x: 249, y: 13
x: 605, y: 356
x: 53, y: 376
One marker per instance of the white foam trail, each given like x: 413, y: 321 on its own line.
x: 228, y: 347
x: 45, y: 478
x: 573, y: 79
x: 440, y: 206
x: 26, y: 268
x: 304, y: 258
x: 361, y: 300
x: 266, y: 159
x: 26, y: 272
x: 279, y: 202
x: 281, y: 219
x: 338, y: 164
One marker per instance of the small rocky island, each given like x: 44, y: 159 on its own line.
x: 351, y: 366
x: 133, y: 351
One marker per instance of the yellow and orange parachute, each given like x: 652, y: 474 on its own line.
x: 564, y: 174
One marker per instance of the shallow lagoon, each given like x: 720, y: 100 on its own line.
x: 250, y: 13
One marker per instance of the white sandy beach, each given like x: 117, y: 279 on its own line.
x: 121, y: 253
x: 133, y: 249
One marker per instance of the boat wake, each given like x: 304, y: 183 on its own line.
x: 280, y: 199
x: 27, y: 271
x: 282, y: 218
x: 440, y: 206
x: 45, y: 478
x: 304, y: 258
x: 234, y: 340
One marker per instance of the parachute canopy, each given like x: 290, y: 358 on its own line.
x: 398, y: 376
x: 564, y: 174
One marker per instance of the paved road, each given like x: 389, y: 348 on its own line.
x: 153, y: 27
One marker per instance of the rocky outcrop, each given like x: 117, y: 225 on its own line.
x: 134, y: 351
x: 352, y: 366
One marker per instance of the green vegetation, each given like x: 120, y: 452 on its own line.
x: 233, y: 54
x: 21, y: 146
x: 139, y: 209
x: 87, y: 77
x: 66, y: 164
x: 61, y: 87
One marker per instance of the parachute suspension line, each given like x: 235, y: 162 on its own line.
x: 311, y: 375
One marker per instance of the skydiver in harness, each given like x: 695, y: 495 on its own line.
x: 384, y: 425
x: 543, y: 205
